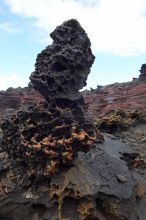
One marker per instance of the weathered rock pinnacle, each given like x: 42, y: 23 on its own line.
x: 48, y: 135
x: 46, y: 172
x: 61, y: 69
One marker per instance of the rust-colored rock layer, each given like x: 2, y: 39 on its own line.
x: 44, y: 137
x: 12, y: 100
x: 126, y: 96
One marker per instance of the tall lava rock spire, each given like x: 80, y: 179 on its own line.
x: 48, y: 135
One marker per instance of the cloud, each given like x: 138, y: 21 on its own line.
x: 114, y: 26
x: 8, y: 27
x: 90, y: 3
x: 12, y: 80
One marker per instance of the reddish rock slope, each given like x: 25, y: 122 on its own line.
x: 12, y: 99
x: 127, y: 96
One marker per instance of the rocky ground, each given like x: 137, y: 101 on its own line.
x: 127, y: 96
x: 111, y: 183
x: 105, y: 182
x: 13, y: 99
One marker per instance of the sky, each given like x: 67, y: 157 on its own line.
x: 116, y: 28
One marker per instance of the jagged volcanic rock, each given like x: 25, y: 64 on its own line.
x: 101, y: 101
x: 12, y: 100
x: 42, y: 138
x: 49, y: 135
x: 143, y: 72
x: 62, y: 68
x: 99, y: 186
x: 106, y: 183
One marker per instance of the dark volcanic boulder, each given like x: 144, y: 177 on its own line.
x: 143, y: 72
x: 47, y: 136
x: 43, y: 138
x: 52, y: 166
x: 61, y: 69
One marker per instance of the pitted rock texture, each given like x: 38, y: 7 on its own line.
x: 62, y: 68
x: 48, y: 136
x: 128, y: 96
x: 99, y: 186
x: 116, y: 121
x: 43, y: 138
x: 87, y: 180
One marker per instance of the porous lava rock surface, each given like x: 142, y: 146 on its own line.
x: 61, y: 69
x: 48, y: 135
x: 42, y: 138
x: 101, y: 185
x: 52, y: 166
